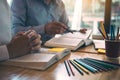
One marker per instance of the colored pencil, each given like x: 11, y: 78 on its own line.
x: 104, y: 64
x: 117, y: 36
x: 93, y: 70
x: 92, y: 65
x: 67, y: 68
x: 70, y: 68
x: 77, y: 68
x: 97, y: 65
x: 82, y: 68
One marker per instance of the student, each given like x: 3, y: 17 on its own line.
x: 47, y: 17
x: 21, y: 44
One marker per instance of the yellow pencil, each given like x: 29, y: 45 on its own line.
x: 81, y: 67
x: 103, y: 29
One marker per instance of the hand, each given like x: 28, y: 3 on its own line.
x: 83, y: 30
x: 34, y: 40
x: 53, y: 28
x: 19, y: 46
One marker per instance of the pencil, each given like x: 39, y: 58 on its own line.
x: 96, y: 65
x: 99, y: 65
x: 117, y: 37
x: 70, y: 68
x: 82, y: 68
x: 67, y: 68
x: 93, y: 70
x: 101, y: 33
x: 77, y: 68
x: 104, y: 64
x: 103, y: 30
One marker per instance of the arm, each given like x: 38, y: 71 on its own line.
x: 64, y: 18
x: 3, y: 53
x: 19, y: 17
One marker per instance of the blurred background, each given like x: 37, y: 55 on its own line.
x: 88, y: 13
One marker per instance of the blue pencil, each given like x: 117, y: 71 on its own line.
x: 106, y: 62
x: 109, y: 66
x: 92, y: 65
x: 98, y: 65
x: 93, y: 70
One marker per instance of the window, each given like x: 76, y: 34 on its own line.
x: 85, y: 13
x: 115, y: 13
x: 88, y: 13
x: 9, y: 2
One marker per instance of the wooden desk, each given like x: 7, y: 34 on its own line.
x: 58, y: 71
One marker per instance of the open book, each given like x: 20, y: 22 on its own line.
x: 99, y: 44
x: 40, y: 61
x: 69, y: 40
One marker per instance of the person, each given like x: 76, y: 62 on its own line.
x: 47, y: 17
x: 21, y: 44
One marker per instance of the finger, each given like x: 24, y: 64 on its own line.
x: 62, y: 25
x: 35, y: 42
x: 35, y: 48
x: 27, y: 32
x: 33, y: 35
x: 83, y: 30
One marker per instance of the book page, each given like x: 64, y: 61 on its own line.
x: 78, y: 34
x: 60, y: 52
x: 64, y: 41
x: 36, y: 57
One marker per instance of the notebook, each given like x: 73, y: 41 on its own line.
x: 69, y: 40
x: 40, y: 61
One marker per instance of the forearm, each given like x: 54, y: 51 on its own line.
x: 39, y: 29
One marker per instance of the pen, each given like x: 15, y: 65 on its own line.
x: 68, y: 30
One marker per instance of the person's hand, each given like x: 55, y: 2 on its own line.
x: 53, y: 28
x: 83, y: 30
x: 34, y: 39
x: 19, y: 46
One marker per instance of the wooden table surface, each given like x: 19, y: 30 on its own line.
x: 58, y: 70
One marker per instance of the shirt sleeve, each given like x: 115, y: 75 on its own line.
x: 64, y: 18
x: 19, y: 18
x: 4, y: 55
